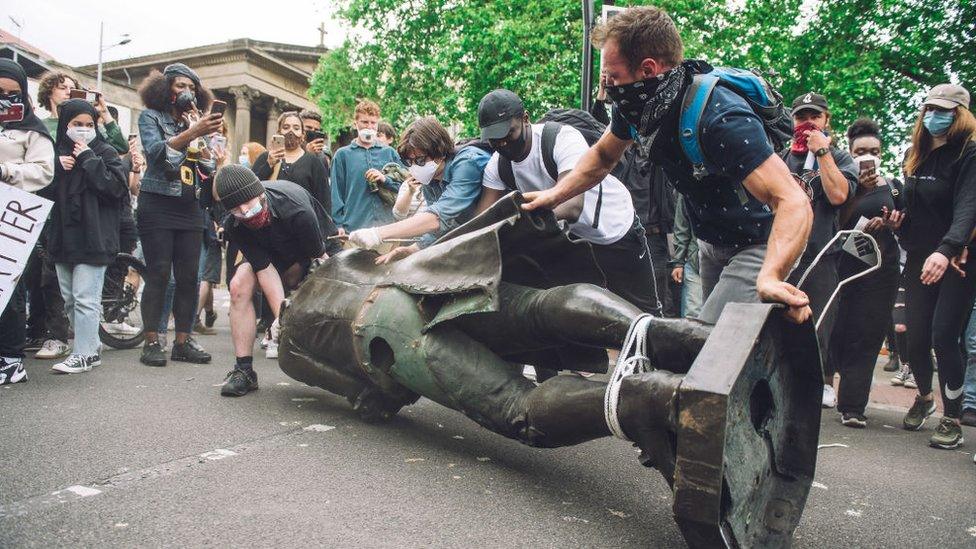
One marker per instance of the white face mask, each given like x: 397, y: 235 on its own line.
x: 367, y: 135
x: 80, y: 134
x: 424, y: 174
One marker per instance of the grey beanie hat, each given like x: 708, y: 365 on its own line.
x: 179, y: 69
x: 236, y: 185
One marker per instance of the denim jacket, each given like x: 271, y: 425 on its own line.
x: 454, y: 198
x: 162, y: 161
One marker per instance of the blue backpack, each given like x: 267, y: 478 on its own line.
x: 763, y: 98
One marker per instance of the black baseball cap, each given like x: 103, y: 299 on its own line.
x: 496, y: 111
x: 810, y: 100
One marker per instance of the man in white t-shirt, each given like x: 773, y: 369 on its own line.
x: 532, y: 157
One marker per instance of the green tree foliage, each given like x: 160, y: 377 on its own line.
x: 869, y: 57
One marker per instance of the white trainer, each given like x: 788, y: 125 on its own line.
x: 53, y: 348
x: 12, y: 371
x: 829, y: 396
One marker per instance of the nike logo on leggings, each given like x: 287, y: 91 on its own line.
x: 953, y: 395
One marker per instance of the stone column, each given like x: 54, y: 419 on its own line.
x: 274, y: 111
x: 243, y: 97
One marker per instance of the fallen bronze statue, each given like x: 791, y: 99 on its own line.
x: 729, y: 414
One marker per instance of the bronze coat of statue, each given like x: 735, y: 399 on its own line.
x: 730, y: 414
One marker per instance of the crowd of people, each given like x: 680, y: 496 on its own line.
x: 682, y: 219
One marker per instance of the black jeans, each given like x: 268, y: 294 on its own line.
x: 863, y: 319
x: 169, y: 251
x: 936, y: 318
x: 657, y: 243
x: 47, y: 317
x: 13, y: 329
x: 627, y: 266
x: 819, y: 285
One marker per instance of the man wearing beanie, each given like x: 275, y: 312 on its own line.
x: 279, y: 228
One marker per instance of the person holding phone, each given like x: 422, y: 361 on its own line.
x: 864, y: 306
x: 828, y: 175
x: 171, y: 221
x: 27, y: 163
x: 354, y: 205
x: 287, y: 159
x: 936, y: 228
x: 89, y: 189
x: 56, y: 87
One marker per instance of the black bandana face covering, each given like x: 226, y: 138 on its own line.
x: 645, y: 102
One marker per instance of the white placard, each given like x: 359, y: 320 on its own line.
x: 22, y: 216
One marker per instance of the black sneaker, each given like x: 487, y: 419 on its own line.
x: 153, y: 354
x: 12, y: 371
x: 239, y: 382
x: 190, y: 351
x: 968, y: 417
x: 34, y: 344
x: 858, y: 421
x: 893, y: 364
x: 209, y: 318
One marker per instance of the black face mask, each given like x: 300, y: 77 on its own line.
x: 518, y: 148
x: 645, y: 102
x: 185, y: 100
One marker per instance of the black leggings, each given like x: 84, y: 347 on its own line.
x: 169, y: 251
x: 862, y: 321
x: 936, y: 318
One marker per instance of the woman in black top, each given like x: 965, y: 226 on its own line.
x: 88, y: 190
x: 939, y: 217
x: 864, y: 306
x: 170, y: 218
x: 292, y: 162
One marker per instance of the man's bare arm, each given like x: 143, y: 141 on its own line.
x: 589, y: 171
x: 772, y: 184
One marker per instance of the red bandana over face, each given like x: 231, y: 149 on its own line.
x: 262, y: 219
x: 800, y: 137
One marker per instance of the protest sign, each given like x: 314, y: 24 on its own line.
x: 22, y: 216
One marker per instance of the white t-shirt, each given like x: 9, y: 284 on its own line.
x: 617, y: 210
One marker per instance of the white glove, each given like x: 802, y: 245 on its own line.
x: 366, y: 238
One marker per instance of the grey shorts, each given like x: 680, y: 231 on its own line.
x: 728, y: 275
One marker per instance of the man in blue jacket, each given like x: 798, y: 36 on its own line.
x: 354, y: 205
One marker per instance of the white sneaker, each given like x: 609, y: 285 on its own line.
x: 899, y: 378
x: 829, y: 396
x: 53, y: 348
x: 74, y: 364
x: 271, y: 351
x: 121, y: 328
x: 12, y: 371
x: 910, y: 381
x: 265, y: 342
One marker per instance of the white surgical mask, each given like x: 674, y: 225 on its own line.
x: 253, y: 211
x: 368, y: 135
x: 424, y: 174
x: 80, y: 134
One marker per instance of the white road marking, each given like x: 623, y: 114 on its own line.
x: 81, y: 491
x: 219, y: 453
x: 319, y: 428
x: 818, y: 485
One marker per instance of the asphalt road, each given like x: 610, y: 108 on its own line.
x: 135, y: 456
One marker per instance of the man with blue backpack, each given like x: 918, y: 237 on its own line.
x: 714, y: 131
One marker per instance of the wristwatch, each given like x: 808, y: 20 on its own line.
x: 822, y: 151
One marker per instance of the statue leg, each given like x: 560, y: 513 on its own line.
x: 529, y: 320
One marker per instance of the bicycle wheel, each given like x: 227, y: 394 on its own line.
x: 121, y: 326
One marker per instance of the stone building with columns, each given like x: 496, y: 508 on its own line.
x: 258, y: 80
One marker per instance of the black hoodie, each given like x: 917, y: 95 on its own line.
x: 88, y: 199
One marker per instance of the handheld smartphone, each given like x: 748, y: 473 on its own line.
x: 13, y: 114
x: 277, y: 141
x: 90, y: 96
x: 867, y: 166
x: 312, y: 135
x: 218, y: 107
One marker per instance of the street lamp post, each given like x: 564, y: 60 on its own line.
x: 101, y: 35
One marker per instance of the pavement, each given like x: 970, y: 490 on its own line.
x: 130, y: 456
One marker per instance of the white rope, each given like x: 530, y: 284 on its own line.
x: 632, y: 360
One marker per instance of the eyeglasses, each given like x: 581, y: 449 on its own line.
x: 418, y: 160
